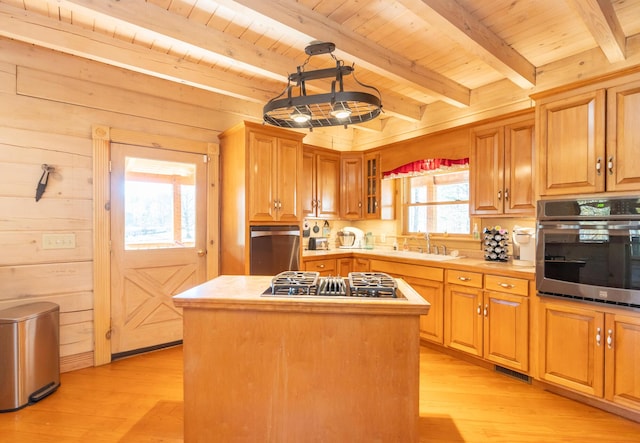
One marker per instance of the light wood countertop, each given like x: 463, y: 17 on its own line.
x: 462, y: 263
x: 228, y: 292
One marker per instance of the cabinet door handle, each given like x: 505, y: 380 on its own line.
x: 461, y: 278
x: 321, y: 266
x: 598, y: 165
x: 506, y: 285
x: 479, y: 309
x: 598, y: 337
x: 318, y: 204
x: 486, y: 310
x: 609, y: 339
x: 610, y: 165
x: 506, y: 194
x: 500, y: 195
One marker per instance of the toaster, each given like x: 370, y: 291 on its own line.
x: 318, y: 243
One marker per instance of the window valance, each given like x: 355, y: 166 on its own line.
x: 427, y: 166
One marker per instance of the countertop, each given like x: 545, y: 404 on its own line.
x: 460, y: 263
x: 245, y: 292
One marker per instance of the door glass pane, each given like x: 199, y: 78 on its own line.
x: 159, y: 204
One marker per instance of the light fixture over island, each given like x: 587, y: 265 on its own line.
x: 299, y: 368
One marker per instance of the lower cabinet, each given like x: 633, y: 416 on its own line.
x: 345, y: 265
x: 428, y: 282
x: 488, y: 316
x: 325, y: 266
x: 590, y: 351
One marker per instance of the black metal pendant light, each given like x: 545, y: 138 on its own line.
x: 335, y: 108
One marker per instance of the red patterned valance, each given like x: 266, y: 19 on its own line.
x: 427, y: 166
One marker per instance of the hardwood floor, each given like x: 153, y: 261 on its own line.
x: 139, y: 399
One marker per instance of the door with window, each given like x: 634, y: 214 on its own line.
x: 158, y: 242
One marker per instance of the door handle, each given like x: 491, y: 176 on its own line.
x: 202, y: 252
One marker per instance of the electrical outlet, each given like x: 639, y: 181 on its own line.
x: 58, y: 241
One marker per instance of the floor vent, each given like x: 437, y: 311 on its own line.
x: 514, y: 374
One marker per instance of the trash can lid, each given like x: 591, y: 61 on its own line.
x: 24, y: 312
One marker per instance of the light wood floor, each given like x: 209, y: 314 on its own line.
x: 139, y: 399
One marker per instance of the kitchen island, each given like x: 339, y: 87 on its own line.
x: 299, y: 368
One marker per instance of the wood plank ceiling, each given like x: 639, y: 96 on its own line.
x: 435, y: 62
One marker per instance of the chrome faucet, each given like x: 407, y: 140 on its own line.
x: 427, y: 237
x: 444, y: 249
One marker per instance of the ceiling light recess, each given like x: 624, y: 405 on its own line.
x: 335, y: 108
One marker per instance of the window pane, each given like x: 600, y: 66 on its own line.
x: 188, y: 193
x: 453, y: 219
x: 148, y: 215
x: 159, y: 204
x: 417, y: 219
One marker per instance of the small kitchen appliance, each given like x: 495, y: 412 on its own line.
x: 351, y: 237
x: 357, y: 284
x: 318, y: 244
x: 524, y: 241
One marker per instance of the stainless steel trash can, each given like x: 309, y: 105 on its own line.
x: 29, y: 354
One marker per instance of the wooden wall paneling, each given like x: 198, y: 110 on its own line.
x: 7, y: 77
x: 102, y: 245
x: 25, y: 248
x: 40, y: 139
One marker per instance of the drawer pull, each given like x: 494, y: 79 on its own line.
x: 462, y: 278
x: 507, y: 285
x: 321, y: 266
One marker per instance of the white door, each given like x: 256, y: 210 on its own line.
x: 158, y: 242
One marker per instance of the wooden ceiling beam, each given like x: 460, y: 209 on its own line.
x: 602, y: 22
x: 146, y: 16
x: 475, y: 37
x: 368, y: 54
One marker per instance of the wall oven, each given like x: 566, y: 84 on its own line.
x: 589, y: 249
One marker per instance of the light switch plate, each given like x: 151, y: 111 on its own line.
x: 58, y: 241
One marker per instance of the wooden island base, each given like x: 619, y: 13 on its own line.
x: 300, y: 370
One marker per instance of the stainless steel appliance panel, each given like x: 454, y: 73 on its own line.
x: 274, y: 249
x: 589, y: 250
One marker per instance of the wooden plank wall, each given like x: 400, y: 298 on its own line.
x: 48, y: 104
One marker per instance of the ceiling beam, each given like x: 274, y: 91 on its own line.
x: 602, y: 22
x: 249, y: 57
x: 462, y: 27
x: 372, y: 56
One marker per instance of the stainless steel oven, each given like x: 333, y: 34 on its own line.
x: 589, y: 249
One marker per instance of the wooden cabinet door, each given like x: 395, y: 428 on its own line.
x: 463, y: 319
x: 519, y: 148
x: 345, y: 265
x: 328, y: 185
x: 351, y: 187
x: 571, y: 340
x: 621, y: 339
x: 487, y: 163
x: 262, y: 196
x: 372, y: 191
x: 572, y: 144
x: 287, y: 176
x: 361, y: 264
x: 623, y: 137
x: 308, y: 184
x: 506, y: 330
x: 432, y: 324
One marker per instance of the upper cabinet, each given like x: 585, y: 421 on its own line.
x: 351, y: 192
x: 590, y: 139
x: 320, y: 192
x: 501, y: 161
x: 372, y: 181
x: 266, y: 163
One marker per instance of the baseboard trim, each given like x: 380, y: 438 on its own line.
x: 76, y: 361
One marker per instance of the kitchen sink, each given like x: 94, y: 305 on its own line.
x: 424, y: 256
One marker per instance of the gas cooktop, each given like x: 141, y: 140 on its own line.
x: 356, y: 284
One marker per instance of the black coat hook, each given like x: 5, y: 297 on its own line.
x: 44, y: 179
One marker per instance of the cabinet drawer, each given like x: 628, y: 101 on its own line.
x: 323, y: 265
x: 464, y: 278
x: 510, y: 285
x: 406, y: 269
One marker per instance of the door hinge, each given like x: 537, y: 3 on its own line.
x: 109, y: 166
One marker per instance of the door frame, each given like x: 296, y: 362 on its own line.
x: 102, y: 137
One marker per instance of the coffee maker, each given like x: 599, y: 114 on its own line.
x: 524, y: 246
